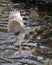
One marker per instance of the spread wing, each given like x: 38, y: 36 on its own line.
x: 15, y: 23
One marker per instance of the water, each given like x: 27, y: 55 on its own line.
x: 34, y: 52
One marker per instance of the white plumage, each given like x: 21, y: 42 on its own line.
x: 15, y: 24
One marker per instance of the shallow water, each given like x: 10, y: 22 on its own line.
x: 9, y: 49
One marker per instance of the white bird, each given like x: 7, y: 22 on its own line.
x: 15, y: 24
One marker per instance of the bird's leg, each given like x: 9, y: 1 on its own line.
x: 20, y: 48
x: 20, y: 40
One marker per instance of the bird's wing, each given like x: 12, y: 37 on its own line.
x: 15, y: 22
x: 16, y: 15
x: 14, y: 26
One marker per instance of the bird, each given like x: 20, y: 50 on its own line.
x: 16, y: 25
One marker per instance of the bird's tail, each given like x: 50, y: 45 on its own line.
x: 30, y: 29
